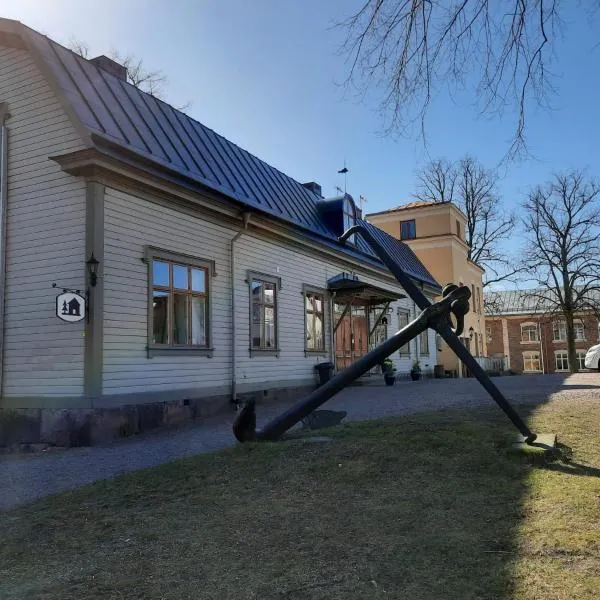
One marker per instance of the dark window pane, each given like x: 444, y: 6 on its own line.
x: 180, y: 319
x: 407, y: 230
x: 160, y: 273
x: 198, y: 280
x: 160, y: 304
x: 198, y: 321
x: 257, y: 287
x: 180, y: 277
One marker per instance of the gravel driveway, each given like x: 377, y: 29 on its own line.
x: 26, y: 478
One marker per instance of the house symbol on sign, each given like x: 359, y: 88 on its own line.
x: 72, y: 308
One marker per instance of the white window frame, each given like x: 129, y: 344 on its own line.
x: 560, y: 326
x: 530, y: 324
x: 580, y: 357
x: 578, y: 324
x: 564, y: 360
x: 424, y: 335
x: 404, y: 351
x: 529, y: 354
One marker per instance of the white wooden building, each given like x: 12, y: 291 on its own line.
x: 218, y: 275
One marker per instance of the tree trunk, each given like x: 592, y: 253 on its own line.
x: 573, y: 366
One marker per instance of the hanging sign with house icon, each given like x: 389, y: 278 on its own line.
x: 70, y: 307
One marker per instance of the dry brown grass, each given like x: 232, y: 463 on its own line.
x: 427, y: 507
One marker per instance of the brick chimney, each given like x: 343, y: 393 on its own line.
x: 110, y: 66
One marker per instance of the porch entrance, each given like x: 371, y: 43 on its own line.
x: 360, y: 317
x: 351, y: 335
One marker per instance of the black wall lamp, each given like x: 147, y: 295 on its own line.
x: 92, y: 265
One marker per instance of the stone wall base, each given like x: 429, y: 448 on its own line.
x: 26, y: 428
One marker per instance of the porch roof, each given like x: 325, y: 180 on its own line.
x: 348, y: 287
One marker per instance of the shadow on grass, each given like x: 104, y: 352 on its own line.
x: 423, y: 507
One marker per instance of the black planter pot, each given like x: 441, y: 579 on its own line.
x: 415, y: 376
x: 389, y: 378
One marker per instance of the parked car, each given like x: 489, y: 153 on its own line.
x: 592, y: 358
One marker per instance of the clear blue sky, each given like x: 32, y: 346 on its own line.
x: 266, y: 74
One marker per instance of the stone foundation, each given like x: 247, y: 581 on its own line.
x: 26, y: 428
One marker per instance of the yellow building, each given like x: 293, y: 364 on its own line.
x: 436, y: 234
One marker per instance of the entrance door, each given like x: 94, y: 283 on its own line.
x: 351, y: 336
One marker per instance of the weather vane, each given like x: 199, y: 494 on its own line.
x: 344, y: 172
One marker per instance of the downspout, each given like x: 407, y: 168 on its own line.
x: 331, y: 328
x: 245, y: 220
x: 542, y: 346
x: 3, y: 200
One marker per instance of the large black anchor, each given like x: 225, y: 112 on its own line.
x: 454, y: 302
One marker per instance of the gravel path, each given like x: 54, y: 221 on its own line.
x: 26, y: 478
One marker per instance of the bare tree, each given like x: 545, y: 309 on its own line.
x: 563, y: 248
x: 435, y: 183
x: 410, y: 49
x: 151, y: 82
x: 472, y: 188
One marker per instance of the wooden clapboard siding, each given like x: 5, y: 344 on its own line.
x: 131, y: 224
x: 43, y: 356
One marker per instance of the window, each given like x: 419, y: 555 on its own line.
x: 458, y: 228
x: 403, y: 319
x: 488, y: 333
x: 479, y: 300
x: 474, y: 306
x: 581, y: 359
x: 424, y: 342
x: 559, y: 331
x: 349, y: 211
x: 408, y: 230
x: 314, y: 318
x: 178, y: 302
x: 263, y: 312
x: 531, y: 362
x: 562, y: 360
x: 529, y: 332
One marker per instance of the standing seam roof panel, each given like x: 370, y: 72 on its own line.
x: 109, y: 122
x: 209, y: 173
x: 181, y: 135
x: 256, y: 187
x: 130, y: 108
x: 249, y: 180
x: 68, y: 86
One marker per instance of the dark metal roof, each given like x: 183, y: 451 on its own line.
x: 117, y: 112
x: 528, y: 302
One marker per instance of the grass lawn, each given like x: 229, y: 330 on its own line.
x: 427, y: 507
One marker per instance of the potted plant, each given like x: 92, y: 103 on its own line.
x: 415, y: 372
x: 389, y: 372
x: 387, y: 365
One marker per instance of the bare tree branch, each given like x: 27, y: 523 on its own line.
x: 410, y: 49
x: 562, y: 223
x: 472, y: 188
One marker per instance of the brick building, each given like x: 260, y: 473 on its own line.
x: 531, y: 339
